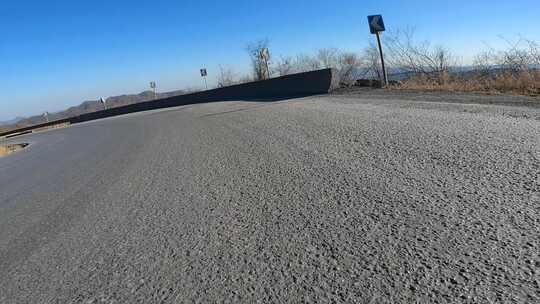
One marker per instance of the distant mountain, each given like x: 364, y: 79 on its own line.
x: 12, y: 121
x: 87, y: 107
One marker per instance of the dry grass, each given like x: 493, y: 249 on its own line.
x: 524, y: 83
x: 10, y: 148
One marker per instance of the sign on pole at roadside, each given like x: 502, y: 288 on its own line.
x: 203, y: 75
x: 153, y: 87
x: 376, y: 25
x: 103, y: 102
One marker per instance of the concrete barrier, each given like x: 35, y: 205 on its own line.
x: 284, y: 87
x: 26, y: 130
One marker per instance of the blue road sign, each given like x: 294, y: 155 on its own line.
x: 376, y: 24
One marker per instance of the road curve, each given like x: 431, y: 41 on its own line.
x: 321, y: 199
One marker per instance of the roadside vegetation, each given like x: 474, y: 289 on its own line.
x: 6, y: 149
x: 514, y: 69
x: 411, y: 65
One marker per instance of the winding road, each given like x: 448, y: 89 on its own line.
x: 334, y: 198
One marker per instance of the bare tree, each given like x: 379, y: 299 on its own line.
x: 244, y: 79
x: 349, y: 65
x: 515, y: 58
x: 442, y: 59
x: 520, y: 55
x: 284, y: 66
x: 534, y: 52
x: 306, y: 63
x: 484, y: 63
x: 373, y: 61
x: 328, y: 58
x: 258, y: 63
x: 416, y: 58
x: 226, y: 77
x: 325, y: 58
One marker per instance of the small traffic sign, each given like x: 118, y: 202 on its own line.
x: 376, y: 24
x: 203, y: 73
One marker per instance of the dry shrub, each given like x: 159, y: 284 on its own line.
x: 526, y: 82
x: 226, y: 77
x: 10, y: 148
x: 523, y: 82
x: 514, y: 69
x: 405, y: 53
x: 348, y: 64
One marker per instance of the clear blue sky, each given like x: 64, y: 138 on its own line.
x: 55, y: 54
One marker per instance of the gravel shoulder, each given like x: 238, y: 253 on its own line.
x: 446, y: 97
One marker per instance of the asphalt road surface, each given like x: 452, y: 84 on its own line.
x: 337, y: 198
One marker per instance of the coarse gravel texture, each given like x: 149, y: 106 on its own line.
x: 339, y: 198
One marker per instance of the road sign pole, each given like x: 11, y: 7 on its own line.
x: 376, y: 26
x: 153, y: 87
x: 204, y: 73
x: 385, y: 77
